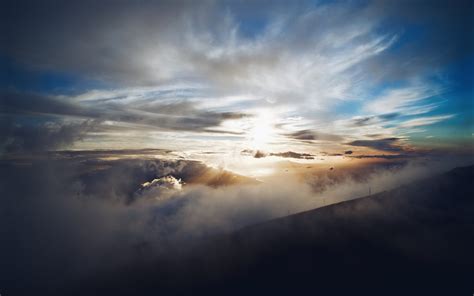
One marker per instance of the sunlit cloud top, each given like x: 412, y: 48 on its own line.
x: 229, y: 76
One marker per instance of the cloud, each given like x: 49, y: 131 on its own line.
x: 291, y: 154
x: 373, y: 119
x: 162, y: 40
x: 190, y: 67
x: 37, y: 104
x: 74, y: 208
x: 387, y: 144
x: 160, y: 188
x: 407, y: 100
x: 154, y: 43
x: 311, y: 135
x: 427, y: 120
x: 48, y: 135
x: 287, y: 154
x: 383, y: 156
x: 179, y: 116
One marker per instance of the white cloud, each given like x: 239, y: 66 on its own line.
x: 422, y: 121
x: 404, y: 99
x: 160, y: 188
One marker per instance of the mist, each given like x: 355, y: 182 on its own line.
x: 69, y: 217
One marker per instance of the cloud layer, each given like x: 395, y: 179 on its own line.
x: 208, y: 67
x: 90, y: 212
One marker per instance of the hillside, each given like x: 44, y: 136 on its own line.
x: 417, y: 239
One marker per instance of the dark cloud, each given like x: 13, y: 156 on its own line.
x: 363, y: 121
x: 179, y: 116
x: 387, y: 144
x: 388, y: 116
x: 254, y: 153
x: 43, y: 136
x: 177, y: 108
x: 30, y: 103
x: 184, y: 108
x: 348, y: 152
x: 369, y: 120
x: 14, y: 106
x: 324, y: 153
x: 287, y: 154
x: 291, y: 154
x: 310, y: 135
x: 247, y: 152
x: 384, y: 156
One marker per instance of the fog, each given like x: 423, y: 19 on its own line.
x: 68, y: 217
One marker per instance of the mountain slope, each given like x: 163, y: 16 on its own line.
x: 417, y: 239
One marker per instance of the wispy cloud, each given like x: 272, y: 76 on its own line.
x: 403, y: 99
x: 423, y: 121
x: 199, y: 67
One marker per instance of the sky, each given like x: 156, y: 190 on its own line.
x: 233, y: 78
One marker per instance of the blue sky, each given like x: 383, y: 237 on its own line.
x: 226, y: 76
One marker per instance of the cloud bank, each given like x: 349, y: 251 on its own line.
x: 87, y: 207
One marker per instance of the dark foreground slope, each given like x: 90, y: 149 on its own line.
x: 415, y: 240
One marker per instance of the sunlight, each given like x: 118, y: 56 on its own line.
x: 262, y: 132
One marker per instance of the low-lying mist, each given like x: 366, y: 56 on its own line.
x: 72, y: 216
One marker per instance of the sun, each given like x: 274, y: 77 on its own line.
x: 262, y: 132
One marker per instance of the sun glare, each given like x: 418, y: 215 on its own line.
x: 262, y: 132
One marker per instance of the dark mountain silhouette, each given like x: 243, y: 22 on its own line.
x: 414, y: 240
